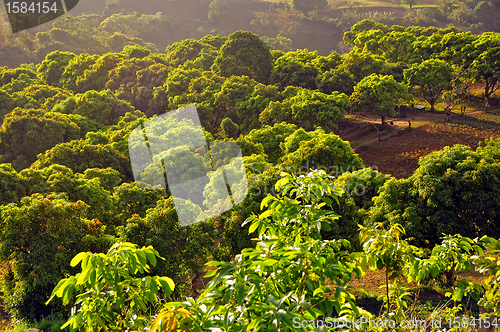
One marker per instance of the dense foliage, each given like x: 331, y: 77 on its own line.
x: 280, y: 284
x: 67, y: 185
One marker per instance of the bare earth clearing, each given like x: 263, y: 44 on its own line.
x: 401, y: 147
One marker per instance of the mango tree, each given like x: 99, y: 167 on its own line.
x: 454, y: 191
x: 379, y: 94
x: 39, y: 237
x: 308, y: 109
x: 433, y: 77
x: 244, y: 53
x: 483, y: 58
x: 385, y: 249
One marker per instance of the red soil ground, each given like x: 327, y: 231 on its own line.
x: 401, y: 147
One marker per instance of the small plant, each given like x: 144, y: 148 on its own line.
x: 109, y: 298
x: 384, y: 249
x: 491, y: 265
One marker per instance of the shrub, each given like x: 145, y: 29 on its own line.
x: 38, y: 239
x: 108, y: 297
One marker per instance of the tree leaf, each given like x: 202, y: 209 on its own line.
x: 254, y: 226
x: 283, y: 315
x: 83, y: 276
x: 151, y: 258
x: 74, y: 262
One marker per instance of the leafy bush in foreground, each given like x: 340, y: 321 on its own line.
x: 110, y: 298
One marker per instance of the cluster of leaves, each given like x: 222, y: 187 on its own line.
x: 282, y: 280
x: 453, y: 191
x: 437, y: 57
x: 110, y: 298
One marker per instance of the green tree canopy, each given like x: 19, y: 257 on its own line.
x: 323, y: 151
x: 6, y: 104
x: 308, y: 109
x: 398, y: 46
x: 188, y: 49
x: 433, y: 77
x: 174, y: 90
x: 379, y: 94
x: 244, y: 53
x: 248, y: 111
x: 75, y: 70
x: 362, y: 63
x: 234, y: 92
x: 26, y: 133
x: 52, y: 68
x: 130, y: 199
x: 135, y: 51
x: 191, y: 86
x: 102, y: 107
x: 40, y: 96
x: 78, y: 187
x: 134, y: 81
x: 363, y: 25
x: 215, y: 41
x: 6, y: 75
x: 271, y: 137
x: 95, y: 77
x: 21, y: 82
x: 453, y: 191
x: 294, y: 73
x: 39, y: 237
x: 482, y: 56
x: 326, y: 63
x: 229, y: 128
x: 337, y: 79
x: 11, y: 185
x: 80, y: 155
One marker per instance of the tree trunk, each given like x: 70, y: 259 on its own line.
x: 193, y: 283
x: 447, y: 111
x: 449, y: 277
x: 387, y: 291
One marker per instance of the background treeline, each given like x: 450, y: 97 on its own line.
x: 99, y: 27
x: 66, y: 184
